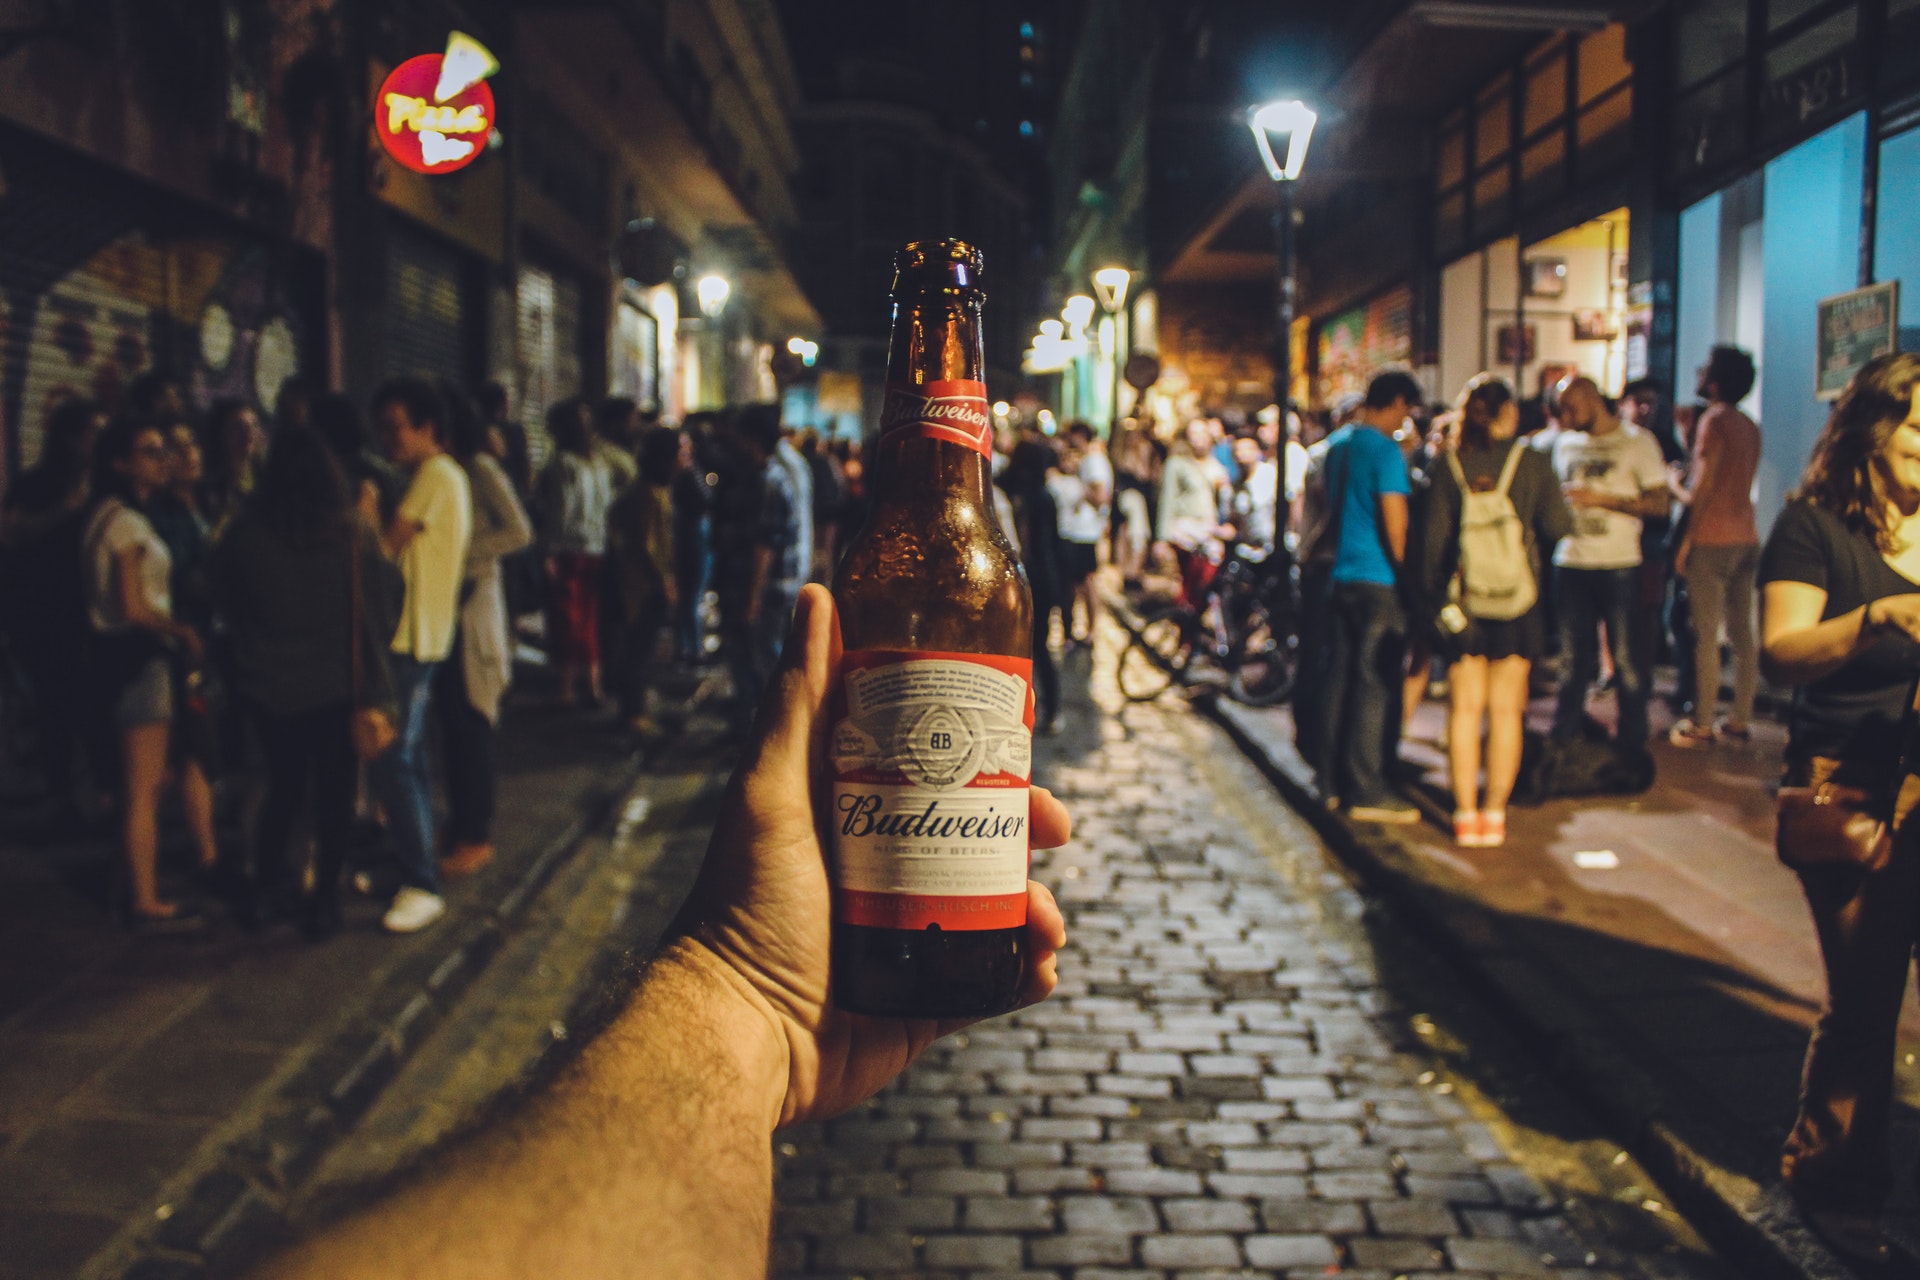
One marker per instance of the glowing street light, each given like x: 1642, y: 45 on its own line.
x: 807, y: 351
x: 712, y: 291
x: 1078, y: 311
x: 1001, y: 408
x: 1283, y: 130
x: 1110, y: 283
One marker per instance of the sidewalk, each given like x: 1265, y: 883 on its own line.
x: 1653, y: 946
x: 129, y: 1067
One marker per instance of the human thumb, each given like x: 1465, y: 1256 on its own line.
x: 791, y: 716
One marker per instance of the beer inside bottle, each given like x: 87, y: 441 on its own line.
x: 932, y: 720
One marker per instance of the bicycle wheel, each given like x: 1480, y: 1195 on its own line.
x: 1269, y: 662
x: 1156, y: 656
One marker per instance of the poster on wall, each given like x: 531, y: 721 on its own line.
x: 1357, y: 344
x: 1852, y: 329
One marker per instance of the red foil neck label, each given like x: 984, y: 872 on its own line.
x: 954, y: 411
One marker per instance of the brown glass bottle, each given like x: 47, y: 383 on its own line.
x: 933, y: 713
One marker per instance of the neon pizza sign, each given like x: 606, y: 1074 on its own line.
x: 435, y: 113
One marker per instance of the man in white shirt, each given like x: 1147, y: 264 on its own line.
x: 1613, y: 475
x: 428, y: 539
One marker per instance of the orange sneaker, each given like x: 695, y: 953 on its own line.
x: 1493, y: 828
x: 1466, y: 828
x: 466, y: 859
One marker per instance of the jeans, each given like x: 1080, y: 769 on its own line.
x: 1587, y: 598
x: 466, y: 753
x: 1365, y: 641
x: 403, y: 777
x: 1837, y: 1155
x: 1720, y: 584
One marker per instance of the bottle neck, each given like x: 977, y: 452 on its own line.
x: 915, y: 470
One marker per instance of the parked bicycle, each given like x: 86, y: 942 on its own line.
x: 1243, y: 637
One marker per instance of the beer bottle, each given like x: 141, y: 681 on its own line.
x: 932, y: 719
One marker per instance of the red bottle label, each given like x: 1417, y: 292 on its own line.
x: 954, y: 411
x: 931, y: 753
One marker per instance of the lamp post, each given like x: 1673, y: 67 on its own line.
x: 1110, y: 285
x: 1282, y: 130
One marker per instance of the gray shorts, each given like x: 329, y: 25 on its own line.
x: 148, y: 697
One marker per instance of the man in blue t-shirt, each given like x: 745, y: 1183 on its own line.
x: 1358, y: 699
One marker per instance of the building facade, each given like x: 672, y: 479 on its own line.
x: 197, y: 188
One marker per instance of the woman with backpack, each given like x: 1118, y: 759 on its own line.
x: 1492, y: 517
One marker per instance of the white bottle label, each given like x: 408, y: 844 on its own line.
x: 931, y: 755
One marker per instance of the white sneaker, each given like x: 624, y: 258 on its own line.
x: 413, y: 910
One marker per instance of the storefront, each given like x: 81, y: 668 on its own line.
x: 1539, y: 314
x: 1357, y: 343
x: 104, y: 276
x: 1531, y: 228
x: 1791, y: 196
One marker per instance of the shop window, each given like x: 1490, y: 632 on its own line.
x: 1782, y: 12
x: 1709, y: 125
x: 1812, y: 75
x: 1450, y: 164
x: 1712, y: 37
x: 1901, y: 48
x: 1493, y: 123
x: 1491, y: 207
x: 1546, y: 96
x: 1450, y: 222
x: 1543, y: 170
x: 1605, y: 133
x: 1603, y: 61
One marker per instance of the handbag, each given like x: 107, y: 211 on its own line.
x: 1830, y: 825
x: 373, y: 730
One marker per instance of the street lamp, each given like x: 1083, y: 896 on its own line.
x: 713, y: 292
x: 1282, y: 130
x: 1110, y: 283
x: 1078, y: 311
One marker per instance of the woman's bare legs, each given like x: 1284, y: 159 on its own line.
x: 1506, y: 722
x: 1468, y: 685
x: 144, y: 752
x: 196, y: 799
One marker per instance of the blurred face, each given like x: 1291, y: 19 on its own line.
x: 1579, y: 407
x: 148, y: 465
x: 245, y: 439
x: 183, y: 446
x: 1638, y: 409
x: 1899, y: 459
x: 1200, y: 436
x: 1506, y: 422
x: 403, y: 440
x: 1246, y: 452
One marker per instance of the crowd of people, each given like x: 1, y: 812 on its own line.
x: 323, y: 618
x: 1484, y: 548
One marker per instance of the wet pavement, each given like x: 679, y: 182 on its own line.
x: 1244, y: 1072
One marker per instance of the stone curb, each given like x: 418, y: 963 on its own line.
x: 236, y: 1210
x: 1756, y: 1223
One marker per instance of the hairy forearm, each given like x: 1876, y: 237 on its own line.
x: 649, y: 1155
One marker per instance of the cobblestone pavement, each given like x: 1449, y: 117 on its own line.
x: 1222, y: 1085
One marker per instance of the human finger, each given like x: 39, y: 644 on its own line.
x: 1049, y: 822
x: 1046, y: 935
x: 797, y: 694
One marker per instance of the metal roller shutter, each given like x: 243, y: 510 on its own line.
x: 549, y: 351
x: 430, y: 307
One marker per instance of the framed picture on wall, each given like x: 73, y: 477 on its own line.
x: 1591, y: 324
x: 1516, y: 343
x: 1546, y: 277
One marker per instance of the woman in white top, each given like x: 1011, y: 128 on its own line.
x: 135, y: 638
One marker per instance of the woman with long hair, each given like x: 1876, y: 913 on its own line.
x: 576, y: 493
x: 468, y: 688
x: 1491, y: 657
x: 296, y: 604
x: 1840, y: 619
x: 136, y: 643
x: 236, y: 443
